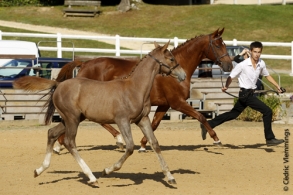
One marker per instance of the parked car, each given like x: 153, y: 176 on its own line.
x: 9, y: 48
x: 16, y: 68
x: 23, y: 58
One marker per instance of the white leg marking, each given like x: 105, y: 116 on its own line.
x: 45, y: 165
x: 57, y: 147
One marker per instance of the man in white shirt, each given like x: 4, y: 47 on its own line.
x: 248, y: 72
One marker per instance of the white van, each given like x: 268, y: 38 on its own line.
x: 10, y: 48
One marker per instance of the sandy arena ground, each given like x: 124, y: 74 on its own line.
x: 245, y: 165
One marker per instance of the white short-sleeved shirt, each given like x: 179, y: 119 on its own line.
x: 247, y: 75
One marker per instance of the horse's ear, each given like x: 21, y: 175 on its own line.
x: 215, y: 34
x: 166, y: 46
x: 156, y: 44
x: 221, y: 32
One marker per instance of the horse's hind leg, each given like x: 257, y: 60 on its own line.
x: 53, y: 134
x: 60, y: 139
x: 70, y: 145
x: 129, y: 147
x: 145, y: 126
x: 112, y: 130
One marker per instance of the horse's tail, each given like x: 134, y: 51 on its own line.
x: 36, y: 84
x: 66, y: 71
x: 33, y: 84
x: 50, y: 106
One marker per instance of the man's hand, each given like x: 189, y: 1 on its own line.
x: 224, y: 89
x: 282, y: 90
x: 245, y: 51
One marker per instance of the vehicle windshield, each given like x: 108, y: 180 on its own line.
x: 14, y: 67
x: 234, y: 51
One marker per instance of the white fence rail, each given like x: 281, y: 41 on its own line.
x: 117, y: 41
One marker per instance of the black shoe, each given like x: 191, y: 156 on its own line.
x: 273, y: 142
x: 203, y: 132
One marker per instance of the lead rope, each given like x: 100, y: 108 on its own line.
x: 226, y: 91
x: 281, y: 88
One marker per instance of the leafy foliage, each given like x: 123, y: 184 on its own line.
x: 271, y: 101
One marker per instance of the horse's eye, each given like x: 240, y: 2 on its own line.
x: 218, y: 46
x: 171, y: 59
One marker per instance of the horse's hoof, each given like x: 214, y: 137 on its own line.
x: 56, y: 152
x: 93, y: 183
x: 142, y: 150
x: 35, y: 174
x: 172, y: 181
x: 218, y: 144
x: 104, y: 172
x: 120, y: 145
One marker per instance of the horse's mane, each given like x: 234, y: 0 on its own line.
x: 66, y: 70
x: 134, y: 68
x: 186, y: 42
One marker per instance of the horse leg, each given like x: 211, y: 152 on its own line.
x: 60, y: 139
x: 108, y: 127
x: 159, y: 114
x: 125, y: 130
x: 53, y: 134
x: 116, y: 135
x: 145, y: 126
x: 184, y: 107
x: 70, y: 145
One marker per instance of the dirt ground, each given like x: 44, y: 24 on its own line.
x: 245, y: 165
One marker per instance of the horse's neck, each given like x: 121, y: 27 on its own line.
x: 189, y: 55
x: 144, y: 75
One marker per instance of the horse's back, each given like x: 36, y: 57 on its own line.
x: 105, y: 68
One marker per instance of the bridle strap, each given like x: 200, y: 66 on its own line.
x: 218, y: 58
x: 162, y: 64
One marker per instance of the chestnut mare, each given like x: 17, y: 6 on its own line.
x: 166, y: 92
x: 120, y: 101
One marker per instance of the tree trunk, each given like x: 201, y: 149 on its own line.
x: 124, y: 5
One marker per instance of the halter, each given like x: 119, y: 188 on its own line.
x: 211, y: 45
x: 162, y: 64
x: 159, y: 62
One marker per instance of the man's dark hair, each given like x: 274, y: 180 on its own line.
x: 255, y: 44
